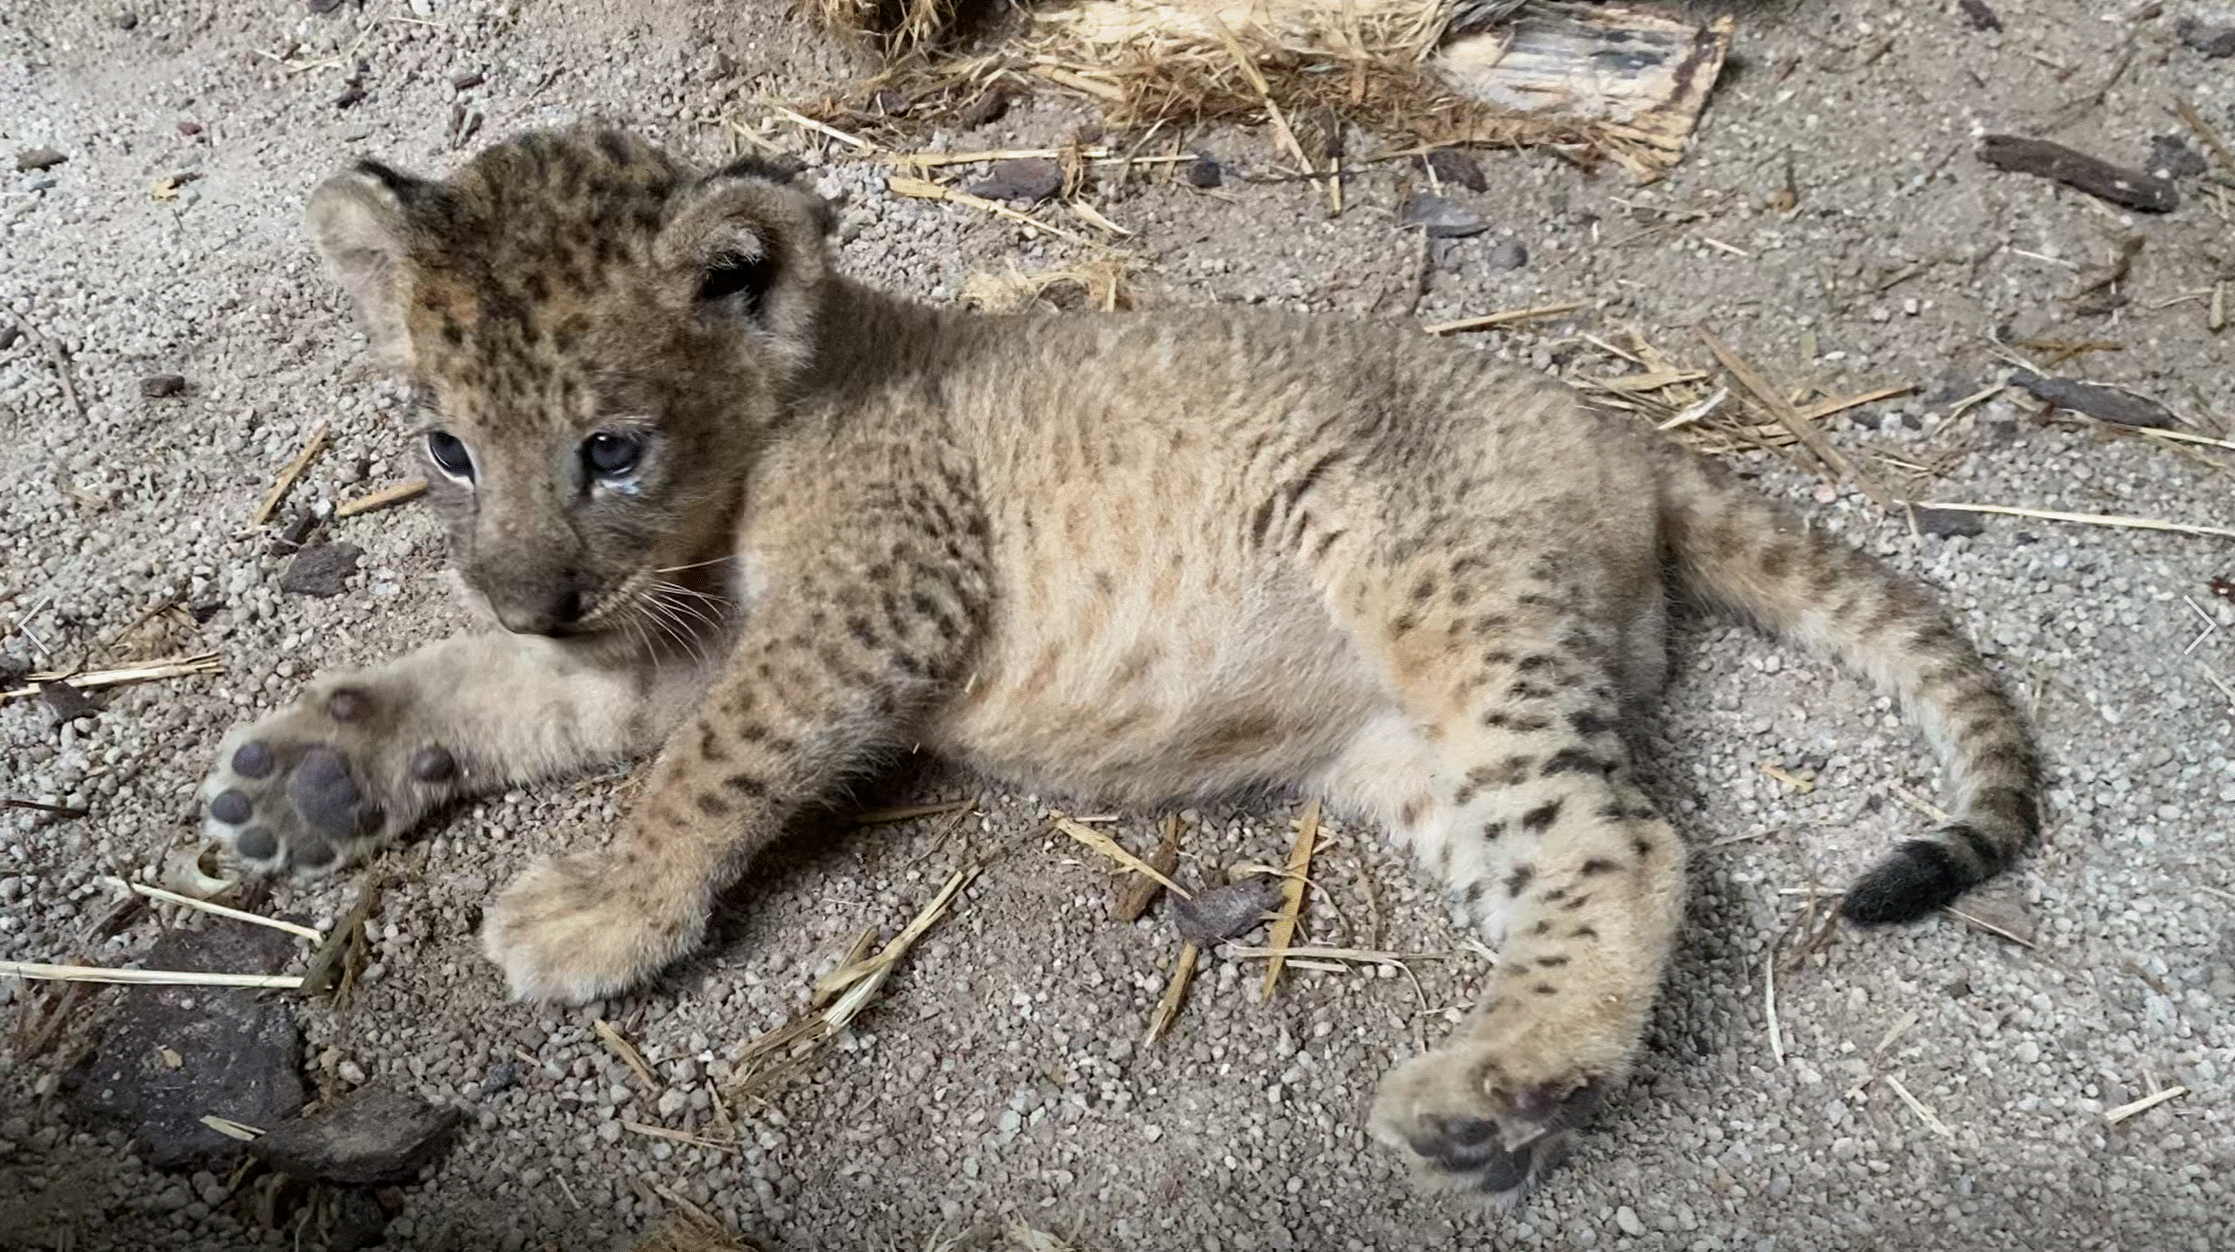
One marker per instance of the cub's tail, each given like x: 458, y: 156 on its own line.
x: 1746, y: 554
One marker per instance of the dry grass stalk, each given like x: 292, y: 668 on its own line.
x: 900, y: 27
x: 901, y: 185
x: 1293, y: 886
x: 1378, y: 63
x: 1774, y: 402
x: 1505, y: 318
x: 387, y: 497
x: 1999, y: 931
x: 231, y: 1129
x: 694, y: 1230
x: 911, y: 812
x: 1367, y: 956
x: 219, y: 910
x: 1769, y: 1011
x: 627, y: 1053
x: 685, y: 1138
x: 1934, y: 1124
x: 1101, y: 282
x: 769, y: 1058
x: 1174, y: 998
x: 151, y: 671
x: 1140, y: 890
x: 334, y: 966
x: 144, y: 977
x: 2145, y: 1104
x: 2084, y: 519
x: 286, y: 480
x: 1110, y: 848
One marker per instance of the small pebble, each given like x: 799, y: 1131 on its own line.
x: 162, y: 386
x: 39, y: 159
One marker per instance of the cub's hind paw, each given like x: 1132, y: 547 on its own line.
x: 1466, y: 1125
x: 320, y: 785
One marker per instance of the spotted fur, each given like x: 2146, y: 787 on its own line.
x: 1146, y: 559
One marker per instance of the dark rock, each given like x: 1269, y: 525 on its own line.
x: 372, y: 1135
x: 1456, y: 168
x: 502, y: 1077
x: 1979, y: 15
x: 128, y: 20
x: 1510, y: 254
x: 203, y: 611
x: 351, y: 95
x: 322, y: 6
x: 189, y: 129
x: 1221, y: 913
x: 890, y: 102
x: 237, y: 1053
x: 323, y: 570
x: 1443, y: 256
x: 39, y: 159
x: 161, y: 386
x: 357, y: 1220
x: 67, y: 701
x: 2171, y: 157
x: 1030, y: 178
x: 990, y: 106
x: 2105, y: 404
x: 1203, y: 172
x: 1442, y: 217
x: 1948, y: 523
x: 467, y: 81
x: 9, y: 335
x: 13, y: 670
x: 2214, y: 39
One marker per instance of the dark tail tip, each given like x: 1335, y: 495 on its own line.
x: 1921, y: 876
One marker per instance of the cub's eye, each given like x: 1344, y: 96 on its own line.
x: 449, y: 454
x: 611, y: 456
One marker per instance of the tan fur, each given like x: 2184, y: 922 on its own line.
x: 1146, y: 559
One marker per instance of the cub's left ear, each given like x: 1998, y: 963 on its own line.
x: 740, y: 245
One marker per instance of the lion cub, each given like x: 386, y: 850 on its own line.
x: 732, y: 506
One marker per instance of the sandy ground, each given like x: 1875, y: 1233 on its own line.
x: 1000, y: 1077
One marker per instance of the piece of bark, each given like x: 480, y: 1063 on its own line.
x: 2105, y: 404
x: 1140, y: 890
x: 1979, y: 15
x: 2132, y: 189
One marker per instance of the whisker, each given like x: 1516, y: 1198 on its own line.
x: 675, y: 569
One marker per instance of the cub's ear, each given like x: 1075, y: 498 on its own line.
x: 739, y: 244
x: 361, y: 220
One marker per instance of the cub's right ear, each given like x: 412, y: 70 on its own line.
x: 361, y: 220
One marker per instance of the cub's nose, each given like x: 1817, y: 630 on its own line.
x: 556, y: 612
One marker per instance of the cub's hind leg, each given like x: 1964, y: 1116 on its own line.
x: 1508, y: 678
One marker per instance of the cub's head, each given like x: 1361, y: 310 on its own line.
x: 598, y: 337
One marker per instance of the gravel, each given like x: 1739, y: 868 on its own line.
x: 1000, y: 1076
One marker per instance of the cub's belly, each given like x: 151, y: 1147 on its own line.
x: 1161, y: 706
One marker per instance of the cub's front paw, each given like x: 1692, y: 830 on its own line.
x: 324, y: 782
x: 1483, y: 1115
x: 581, y: 928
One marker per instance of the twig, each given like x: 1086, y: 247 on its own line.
x: 2205, y: 132
x: 1110, y: 848
x: 144, y: 977
x: 219, y: 910
x: 675, y: 1136
x: 1175, y: 994
x: 1141, y: 889
x: 286, y: 480
x: 921, y: 189
x: 1293, y: 887
x: 1769, y: 1010
x: 171, y: 667
x: 59, y: 810
x: 1934, y: 1124
x: 851, y: 141
x: 1792, y: 419
x: 2145, y: 1104
x: 2086, y: 519
x: 392, y: 494
x: 1488, y: 320
x: 1366, y: 955
x: 627, y: 1053
x: 2000, y: 932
